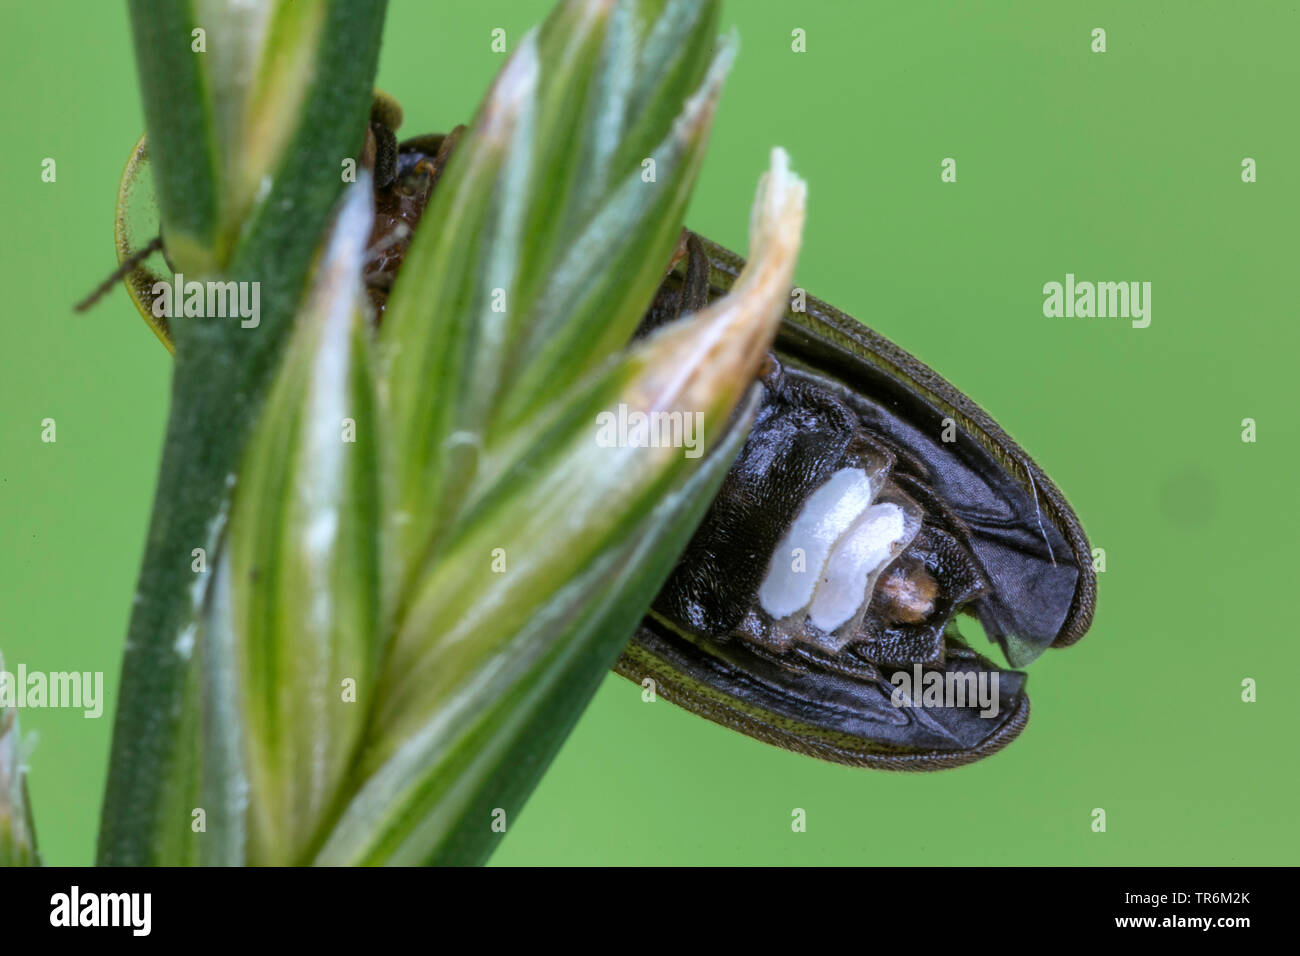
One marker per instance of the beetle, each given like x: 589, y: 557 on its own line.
x: 871, y: 504
x: 908, y: 505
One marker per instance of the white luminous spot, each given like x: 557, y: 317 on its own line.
x: 865, y: 549
x: 827, y: 514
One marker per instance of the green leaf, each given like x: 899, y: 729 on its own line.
x: 546, y: 576
x: 543, y: 242
x: 178, y: 113
x: 440, y: 795
x: 222, y: 370
x: 292, y: 636
x: 224, y: 85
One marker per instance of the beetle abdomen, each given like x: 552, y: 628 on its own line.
x: 814, y: 543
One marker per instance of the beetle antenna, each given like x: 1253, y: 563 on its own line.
x: 155, y: 245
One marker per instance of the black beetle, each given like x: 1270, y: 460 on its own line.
x: 978, y: 528
x: 871, y: 503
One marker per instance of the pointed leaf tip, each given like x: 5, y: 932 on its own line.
x: 712, y: 356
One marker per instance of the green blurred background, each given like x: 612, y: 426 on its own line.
x: 1117, y: 166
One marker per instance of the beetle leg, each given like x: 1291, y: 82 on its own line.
x: 770, y: 372
x: 684, y: 294
x: 679, y: 252
x: 695, y: 290
x: 448, y: 146
x: 385, y: 155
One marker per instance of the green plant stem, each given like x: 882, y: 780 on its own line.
x: 221, y: 375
